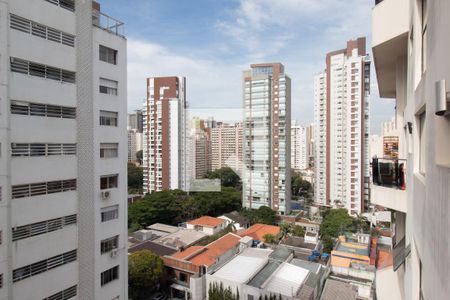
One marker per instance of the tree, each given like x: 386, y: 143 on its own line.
x: 145, y: 271
x: 334, y: 223
x: 139, y: 156
x: 218, y: 292
x: 135, y: 178
x: 285, y: 229
x: 360, y: 223
x: 300, y: 186
x: 270, y: 238
x: 298, y: 230
x: 227, y: 177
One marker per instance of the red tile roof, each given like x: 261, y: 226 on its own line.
x: 258, y: 231
x: 206, y: 221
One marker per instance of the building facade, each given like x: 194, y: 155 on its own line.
x: 135, y: 144
x: 136, y: 120
x: 165, y: 134
x: 267, y: 138
x: 299, y: 147
x: 412, y: 64
x: 341, y: 115
x: 200, y: 161
x: 63, y: 228
x: 226, y: 146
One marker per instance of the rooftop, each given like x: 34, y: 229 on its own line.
x: 206, y: 221
x: 207, y: 255
x: 287, y: 280
x: 181, y: 238
x: 335, y: 289
x: 236, y: 217
x: 353, y: 248
x: 243, y: 266
x: 158, y: 249
x: 309, y: 265
x: 258, y: 231
x: 163, y: 228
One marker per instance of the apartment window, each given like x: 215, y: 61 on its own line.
x: 108, y: 86
x: 36, y: 149
x: 109, y: 150
x: 43, y: 188
x: 44, y: 265
x: 109, y: 213
x: 108, y: 118
x: 26, y: 231
x: 1, y: 281
x: 42, y: 31
x: 109, y: 244
x: 39, y: 70
x: 109, y: 275
x: 422, y: 142
x: 64, y: 295
x: 109, y: 181
x: 66, y: 4
x: 42, y: 110
x: 108, y: 55
x: 424, y: 11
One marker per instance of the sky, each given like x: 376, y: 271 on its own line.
x: 212, y: 41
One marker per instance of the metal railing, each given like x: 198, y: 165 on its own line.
x: 108, y: 23
x: 389, y: 172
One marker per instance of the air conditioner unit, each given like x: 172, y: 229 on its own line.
x: 114, y: 252
x: 106, y: 194
x: 442, y: 99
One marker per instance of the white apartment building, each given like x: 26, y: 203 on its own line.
x: 266, y: 176
x: 299, y: 147
x: 164, y: 128
x: 410, y: 44
x: 63, y: 141
x: 135, y: 143
x: 342, y: 129
x: 226, y: 147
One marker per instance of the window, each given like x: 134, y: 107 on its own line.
x: 43, y: 188
x: 38, y: 70
x: 108, y: 55
x: 424, y: 11
x: 26, y: 231
x: 64, y: 295
x: 108, y: 118
x: 108, y: 86
x: 422, y: 143
x: 42, y: 31
x: 109, y: 213
x: 1, y: 281
x: 109, y: 275
x: 44, y: 265
x: 43, y: 110
x: 19, y: 149
x: 108, y: 181
x: 66, y: 4
x: 109, y: 244
x: 108, y: 150
x: 183, y: 277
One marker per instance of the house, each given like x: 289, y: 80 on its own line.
x: 187, y: 268
x: 258, y: 231
x: 181, y: 239
x: 238, y: 221
x: 206, y: 224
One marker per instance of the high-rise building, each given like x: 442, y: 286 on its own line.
x: 63, y: 89
x: 299, y: 147
x: 310, y: 143
x: 341, y: 113
x: 135, y: 144
x: 136, y: 120
x: 267, y: 138
x: 200, y: 144
x: 410, y: 43
x: 226, y: 146
x: 165, y: 134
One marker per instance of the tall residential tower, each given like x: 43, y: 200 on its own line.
x: 63, y: 87
x: 165, y: 134
x: 267, y: 138
x: 341, y: 113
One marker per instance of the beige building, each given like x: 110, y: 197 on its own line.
x: 226, y: 146
x: 410, y: 43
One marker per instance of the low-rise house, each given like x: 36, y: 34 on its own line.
x: 181, y: 239
x: 236, y: 220
x: 187, y: 268
x: 206, y: 224
x: 258, y: 231
x: 256, y: 273
x: 159, y: 229
x: 311, y: 237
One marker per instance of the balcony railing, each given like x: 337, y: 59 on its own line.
x: 108, y: 23
x: 389, y: 172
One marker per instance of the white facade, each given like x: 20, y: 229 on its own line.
x: 135, y: 143
x: 342, y: 129
x: 226, y: 147
x: 299, y: 147
x: 52, y: 205
x: 410, y: 46
x: 267, y: 138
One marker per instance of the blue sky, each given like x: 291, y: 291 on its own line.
x: 212, y: 41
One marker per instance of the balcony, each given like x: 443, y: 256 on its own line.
x: 388, y: 187
x: 390, y: 29
x: 106, y: 22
